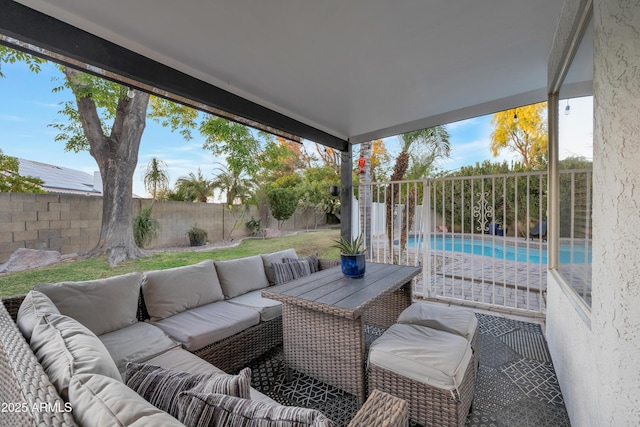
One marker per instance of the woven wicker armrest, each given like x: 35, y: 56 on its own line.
x: 382, y: 410
x: 324, y: 263
x: 24, y: 386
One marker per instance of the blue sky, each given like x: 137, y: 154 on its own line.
x: 28, y: 106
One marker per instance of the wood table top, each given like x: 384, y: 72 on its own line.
x: 328, y: 290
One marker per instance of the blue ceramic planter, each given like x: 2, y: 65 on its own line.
x: 353, y: 266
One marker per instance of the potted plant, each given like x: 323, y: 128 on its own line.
x: 352, y: 257
x: 197, y: 236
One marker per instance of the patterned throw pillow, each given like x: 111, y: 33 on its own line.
x: 311, y: 259
x: 299, y: 268
x: 284, y: 272
x: 202, y: 410
x: 160, y: 386
x: 281, y: 273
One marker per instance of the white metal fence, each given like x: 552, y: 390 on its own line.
x: 479, y: 239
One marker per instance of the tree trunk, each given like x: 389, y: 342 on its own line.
x: 117, y: 157
x: 393, y: 192
x: 365, y: 199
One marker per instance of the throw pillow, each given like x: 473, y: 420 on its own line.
x: 202, y: 410
x: 33, y: 307
x: 65, y: 348
x: 311, y: 259
x: 299, y: 268
x: 281, y: 273
x: 97, y: 400
x: 160, y: 386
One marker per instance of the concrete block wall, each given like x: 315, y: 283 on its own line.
x: 71, y: 223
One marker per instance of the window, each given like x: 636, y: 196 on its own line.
x: 574, y: 161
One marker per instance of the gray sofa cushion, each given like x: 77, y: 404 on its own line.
x: 174, y: 290
x: 136, y: 343
x: 102, y: 305
x: 267, y: 259
x: 97, y: 400
x: 242, y: 275
x: 33, y: 307
x: 160, y: 386
x: 268, y: 308
x: 201, y: 409
x: 66, y: 348
x: 201, y: 326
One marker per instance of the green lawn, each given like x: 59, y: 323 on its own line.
x: 305, y: 243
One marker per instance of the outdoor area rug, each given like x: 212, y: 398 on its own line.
x: 516, y: 384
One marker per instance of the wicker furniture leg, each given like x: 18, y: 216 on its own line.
x: 382, y: 410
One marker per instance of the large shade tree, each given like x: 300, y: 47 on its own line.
x: 108, y: 120
x: 114, y: 146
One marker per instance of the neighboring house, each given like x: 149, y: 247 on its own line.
x: 58, y: 179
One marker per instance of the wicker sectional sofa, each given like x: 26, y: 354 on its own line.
x: 204, y: 318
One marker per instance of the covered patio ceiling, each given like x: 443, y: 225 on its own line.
x: 332, y: 71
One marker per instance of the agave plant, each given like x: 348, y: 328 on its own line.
x: 350, y: 247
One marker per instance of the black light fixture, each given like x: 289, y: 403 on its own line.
x: 334, y: 190
x: 515, y: 117
x: 567, y: 109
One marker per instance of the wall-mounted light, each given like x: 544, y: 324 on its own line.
x: 130, y: 93
x: 567, y: 109
x: 334, y: 190
x: 515, y: 117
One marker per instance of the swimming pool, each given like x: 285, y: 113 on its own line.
x: 501, y: 249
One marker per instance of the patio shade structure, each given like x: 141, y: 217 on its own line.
x: 333, y: 72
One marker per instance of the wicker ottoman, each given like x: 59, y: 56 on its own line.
x: 432, y: 370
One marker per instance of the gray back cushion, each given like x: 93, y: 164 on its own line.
x: 102, y: 305
x: 174, y: 290
x: 242, y: 275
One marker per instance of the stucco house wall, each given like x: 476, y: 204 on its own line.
x: 595, y: 352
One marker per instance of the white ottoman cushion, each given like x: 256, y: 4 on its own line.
x: 426, y: 355
x: 449, y: 319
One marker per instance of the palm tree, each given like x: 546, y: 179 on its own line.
x: 194, y: 187
x: 431, y: 143
x: 233, y: 185
x: 156, y: 176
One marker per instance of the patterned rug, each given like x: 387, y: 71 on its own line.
x: 516, y: 383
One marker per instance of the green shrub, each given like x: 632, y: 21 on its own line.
x: 197, y: 236
x: 145, y: 228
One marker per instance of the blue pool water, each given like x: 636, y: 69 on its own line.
x: 502, y: 249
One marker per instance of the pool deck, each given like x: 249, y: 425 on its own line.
x: 486, y: 280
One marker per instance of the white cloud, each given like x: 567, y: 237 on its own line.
x: 12, y: 118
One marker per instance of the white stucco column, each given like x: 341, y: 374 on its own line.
x: 616, y: 211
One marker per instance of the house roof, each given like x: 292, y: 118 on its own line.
x: 58, y: 179
x: 331, y: 71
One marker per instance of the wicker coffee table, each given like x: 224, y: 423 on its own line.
x: 323, y: 319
